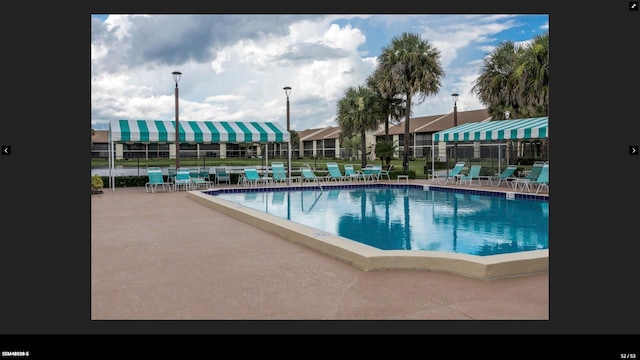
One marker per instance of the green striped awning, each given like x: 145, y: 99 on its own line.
x: 151, y: 131
x: 532, y: 128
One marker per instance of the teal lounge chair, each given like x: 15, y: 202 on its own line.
x: 279, y: 173
x: 199, y: 177
x: 155, y: 179
x: 542, y: 181
x: 308, y: 174
x: 205, y: 173
x: 171, y: 171
x: 474, y: 173
x: 453, y: 174
x: 221, y: 175
x: 523, y: 183
x: 183, y: 179
x: 351, y: 174
x: 506, y: 176
x: 252, y: 177
x: 334, y: 172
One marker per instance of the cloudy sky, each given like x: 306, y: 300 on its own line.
x: 234, y: 67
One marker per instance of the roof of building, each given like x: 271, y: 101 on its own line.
x: 435, y: 123
x: 100, y: 136
x: 329, y: 132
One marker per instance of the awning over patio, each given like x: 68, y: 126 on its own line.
x: 149, y: 131
x: 532, y: 128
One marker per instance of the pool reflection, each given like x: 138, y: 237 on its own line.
x: 412, y: 219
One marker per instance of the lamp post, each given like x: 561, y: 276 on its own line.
x: 287, y: 91
x: 455, y: 123
x: 508, y: 156
x: 176, y: 77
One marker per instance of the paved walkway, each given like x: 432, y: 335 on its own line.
x: 163, y: 256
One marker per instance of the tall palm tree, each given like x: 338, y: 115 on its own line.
x: 359, y: 111
x: 409, y: 66
x: 533, y: 71
x: 533, y: 74
x: 516, y: 79
x: 393, y: 105
x: 497, y: 86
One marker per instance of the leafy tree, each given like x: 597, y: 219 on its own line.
x: 295, y: 141
x: 407, y: 67
x: 351, y: 143
x: 385, y: 150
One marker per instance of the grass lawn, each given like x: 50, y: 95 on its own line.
x: 417, y: 165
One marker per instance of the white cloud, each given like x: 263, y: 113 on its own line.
x: 234, y: 67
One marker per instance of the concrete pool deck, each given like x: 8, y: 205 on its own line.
x: 164, y: 256
x: 369, y: 258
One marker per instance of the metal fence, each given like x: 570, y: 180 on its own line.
x: 492, y: 156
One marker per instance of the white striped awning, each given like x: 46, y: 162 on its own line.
x: 204, y: 132
x: 532, y: 128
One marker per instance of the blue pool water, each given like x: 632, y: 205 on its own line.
x: 409, y: 218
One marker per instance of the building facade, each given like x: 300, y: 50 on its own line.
x: 313, y: 143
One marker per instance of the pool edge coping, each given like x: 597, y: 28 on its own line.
x: 368, y: 258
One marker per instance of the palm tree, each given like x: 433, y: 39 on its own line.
x: 533, y: 70
x: 408, y: 66
x: 385, y: 150
x: 359, y: 111
x: 497, y: 86
x: 533, y: 74
x: 516, y: 79
x: 393, y: 105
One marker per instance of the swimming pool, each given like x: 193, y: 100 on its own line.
x: 405, y: 218
x: 384, y: 226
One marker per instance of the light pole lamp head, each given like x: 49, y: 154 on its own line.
x: 287, y: 91
x: 176, y: 76
x: 454, y: 96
